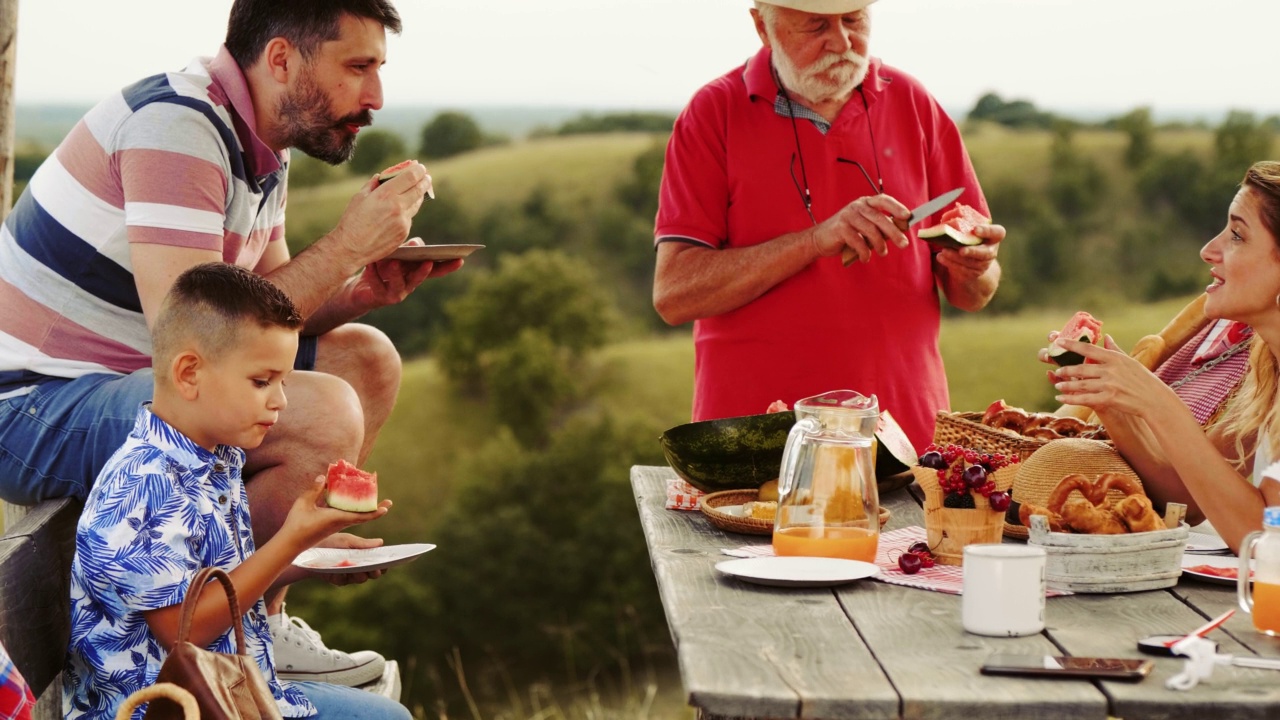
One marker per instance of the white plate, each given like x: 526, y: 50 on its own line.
x: 790, y: 571
x: 436, y: 253
x: 1218, y: 561
x: 341, y: 560
x: 1205, y: 543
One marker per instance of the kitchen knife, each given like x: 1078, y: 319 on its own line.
x: 848, y: 256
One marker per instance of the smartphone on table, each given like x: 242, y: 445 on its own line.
x: 1059, y: 666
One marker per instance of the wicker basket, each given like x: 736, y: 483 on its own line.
x: 966, y: 430
x: 1037, y: 476
x: 950, y: 529
x: 710, y: 504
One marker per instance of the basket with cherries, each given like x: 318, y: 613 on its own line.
x: 964, y: 473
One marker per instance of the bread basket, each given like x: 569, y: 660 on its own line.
x: 966, y: 430
x: 1039, y: 474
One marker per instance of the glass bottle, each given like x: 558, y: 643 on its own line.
x: 1264, y: 547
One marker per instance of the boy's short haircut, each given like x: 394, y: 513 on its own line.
x: 212, y: 302
x: 304, y: 23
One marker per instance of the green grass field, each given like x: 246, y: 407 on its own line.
x: 575, y: 169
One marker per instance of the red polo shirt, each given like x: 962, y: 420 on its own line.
x: 869, y: 327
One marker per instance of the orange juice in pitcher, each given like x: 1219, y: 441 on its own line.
x: 828, y: 504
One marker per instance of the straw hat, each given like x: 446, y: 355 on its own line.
x: 822, y: 7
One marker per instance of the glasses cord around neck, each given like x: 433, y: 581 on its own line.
x: 875, y: 154
x: 804, y: 177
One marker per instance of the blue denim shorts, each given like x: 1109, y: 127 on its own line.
x: 55, y: 439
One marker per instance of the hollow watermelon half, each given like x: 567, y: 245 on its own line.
x: 347, y: 487
x: 956, y: 228
x: 1083, y: 327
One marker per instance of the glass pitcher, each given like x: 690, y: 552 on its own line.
x: 828, y: 505
x: 1264, y: 547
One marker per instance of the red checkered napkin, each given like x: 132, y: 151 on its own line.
x: 681, y: 495
x: 939, y: 578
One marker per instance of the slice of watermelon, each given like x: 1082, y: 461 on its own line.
x: 394, y: 170
x: 347, y: 487
x: 1083, y: 327
x: 956, y: 228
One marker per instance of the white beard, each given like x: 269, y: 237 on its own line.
x: 831, y: 77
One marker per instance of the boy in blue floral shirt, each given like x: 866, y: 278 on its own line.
x: 171, y: 500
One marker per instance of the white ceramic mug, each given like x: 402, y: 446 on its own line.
x: 1003, y: 590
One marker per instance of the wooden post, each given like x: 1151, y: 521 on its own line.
x: 8, y: 66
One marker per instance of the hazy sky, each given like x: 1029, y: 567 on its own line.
x: 1062, y: 54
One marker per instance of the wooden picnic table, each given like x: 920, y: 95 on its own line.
x: 874, y: 650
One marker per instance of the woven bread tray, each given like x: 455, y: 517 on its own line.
x: 966, y: 430
x: 1039, y: 475
x: 733, y: 523
x: 710, y: 504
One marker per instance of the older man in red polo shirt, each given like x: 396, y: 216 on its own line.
x: 772, y: 171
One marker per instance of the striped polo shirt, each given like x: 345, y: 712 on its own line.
x: 170, y: 160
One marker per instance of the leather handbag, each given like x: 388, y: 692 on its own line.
x: 226, y: 687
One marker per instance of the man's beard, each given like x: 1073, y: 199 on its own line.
x: 308, y: 126
x: 831, y: 77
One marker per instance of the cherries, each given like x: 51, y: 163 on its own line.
x: 975, y: 476
x: 910, y: 563
x: 933, y: 460
x: 964, y: 473
x: 916, y: 557
x: 999, y: 500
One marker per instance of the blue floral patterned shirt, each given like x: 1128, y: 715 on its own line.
x: 161, y: 509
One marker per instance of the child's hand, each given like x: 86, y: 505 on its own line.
x: 310, y: 521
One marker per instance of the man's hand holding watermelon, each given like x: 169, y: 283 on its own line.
x: 969, y: 275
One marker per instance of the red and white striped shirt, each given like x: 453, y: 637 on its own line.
x: 169, y: 160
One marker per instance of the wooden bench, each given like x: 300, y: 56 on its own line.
x: 35, y: 601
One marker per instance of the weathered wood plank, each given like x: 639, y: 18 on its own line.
x: 749, y: 650
x: 1111, y: 625
x: 918, y: 638
x: 1212, y: 601
x: 35, y: 593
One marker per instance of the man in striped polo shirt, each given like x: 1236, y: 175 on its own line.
x: 188, y: 167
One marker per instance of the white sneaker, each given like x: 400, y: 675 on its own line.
x: 301, y: 655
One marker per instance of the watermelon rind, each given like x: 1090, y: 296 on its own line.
x: 745, y: 452
x: 338, y: 501
x: 1064, y: 357
x: 948, y: 237
x: 393, y: 171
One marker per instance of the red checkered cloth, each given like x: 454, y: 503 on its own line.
x: 1205, y: 370
x: 16, y: 700
x: 682, y: 496
x: 939, y: 578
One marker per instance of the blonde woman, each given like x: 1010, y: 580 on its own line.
x: 1226, y: 474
